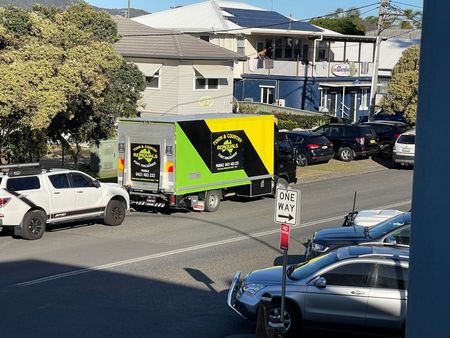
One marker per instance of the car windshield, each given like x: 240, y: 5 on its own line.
x: 393, y: 223
x: 308, y: 268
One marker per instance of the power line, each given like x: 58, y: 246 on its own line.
x: 262, y: 26
x: 402, y: 3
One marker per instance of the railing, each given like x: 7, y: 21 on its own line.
x: 302, y: 69
x: 256, y: 107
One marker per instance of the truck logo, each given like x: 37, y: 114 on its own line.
x: 145, y: 164
x: 227, y: 150
x: 145, y: 155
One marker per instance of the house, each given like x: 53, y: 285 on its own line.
x: 184, y: 75
x: 304, y: 66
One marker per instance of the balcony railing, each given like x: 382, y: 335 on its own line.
x: 303, y: 69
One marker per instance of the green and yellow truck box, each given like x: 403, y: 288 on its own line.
x: 193, y: 161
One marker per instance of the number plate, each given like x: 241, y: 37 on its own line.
x: 324, y: 147
x: 405, y: 150
x: 372, y: 142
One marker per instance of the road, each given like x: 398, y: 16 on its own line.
x: 166, y: 275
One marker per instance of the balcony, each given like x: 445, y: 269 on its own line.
x: 301, y: 69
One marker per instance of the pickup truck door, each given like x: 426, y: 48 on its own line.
x: 62, y: 196
x: 88, y: 197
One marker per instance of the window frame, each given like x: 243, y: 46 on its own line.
x: 157, y: 76
x: 207, y: 85
x: 13, y: 179
x: 323, y: 99
x: 339, y: 264
x: 364, y: 95
x: 83, y: 175
x: 393, y: 265
x: 60, y: 174
x: 263, y: 97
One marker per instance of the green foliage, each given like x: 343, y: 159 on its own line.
x: 291, y: 121
x: 343, y: 25
x: 403, y: 87
x: 61, y: 76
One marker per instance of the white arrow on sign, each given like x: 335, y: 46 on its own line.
x: 287, y: 206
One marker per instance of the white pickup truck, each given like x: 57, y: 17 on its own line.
x: 31, y: 198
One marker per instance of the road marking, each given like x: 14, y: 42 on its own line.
x: 188, y: 249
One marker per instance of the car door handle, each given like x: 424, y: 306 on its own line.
x: 80, y: 192
x: 57, y: 193
x: 357, y: 292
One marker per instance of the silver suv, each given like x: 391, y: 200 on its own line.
x: 358, y: 288
x: 404, y: 149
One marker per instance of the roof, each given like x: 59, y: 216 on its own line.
x: 215, y: 16
x: 397, y: 33
x: 142, y: 41
x: 182, y: 118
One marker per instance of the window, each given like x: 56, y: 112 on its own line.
x: 206, y: 84
x: 241, y: 46
x: 23, y: 183
x: 81, y: 181
x: 60, y: 181
x: 324, y: 98
x: 364, y: 99
x: 322, y: 51
x: 267, y: 95
x: 278, y: 48
x: 355, y: 274
x: 392, y: 277
x: 152, y: 81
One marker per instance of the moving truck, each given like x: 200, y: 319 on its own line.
x: 195, y: 161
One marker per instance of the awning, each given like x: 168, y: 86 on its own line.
x: 214, y: 71
x: 345, y: 84
x: 149, y: 69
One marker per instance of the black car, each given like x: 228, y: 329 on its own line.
x: 311, y: 147
x: 350, y: 140
x: 382, y: 116
x: 395, y: 230
x: 388, y: 132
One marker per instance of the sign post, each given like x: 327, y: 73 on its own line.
x: 287, y: 213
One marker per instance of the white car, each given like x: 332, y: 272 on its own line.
x: 404, y: 149
x: 369, y: 217
x: 31, y: 198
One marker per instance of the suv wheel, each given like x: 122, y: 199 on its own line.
x: 301, y: 160
x: 292, y: 320
x: 345, y: 154
x: 114, y: 213
x: 33, y: 225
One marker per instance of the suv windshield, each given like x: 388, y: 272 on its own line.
x: 407, y: 139
x: 306, y: 269
x: 393, y: 223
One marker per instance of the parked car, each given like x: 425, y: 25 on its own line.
x: 350, y: 140
x: 311, y: 147
x: 368, y: 218
x: 31, y: 198
x: 382, y: 116
x: 356, y: 288
x: 393, y: 230
x: 404, y: 149
x: 388, y: 132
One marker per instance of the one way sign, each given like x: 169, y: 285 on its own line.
x: 287, y: 207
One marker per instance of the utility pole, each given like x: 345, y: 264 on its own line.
x: 128, y: 10
x: 374, y: 84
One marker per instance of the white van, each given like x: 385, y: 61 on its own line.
x: 404, y: 149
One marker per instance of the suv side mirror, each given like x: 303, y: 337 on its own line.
x: 390, y: 240
x: 320, y: 283
x: 97, y: 184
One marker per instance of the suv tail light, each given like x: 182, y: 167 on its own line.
x: 312, y: 146
x: 360, y: 140
x: 4, y: 201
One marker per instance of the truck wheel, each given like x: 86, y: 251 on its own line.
x: 33, y: 225
x: 345, y: 154
x: 114, y: 213
x: 212, y: 200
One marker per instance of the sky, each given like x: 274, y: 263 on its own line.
x: 298, y: 9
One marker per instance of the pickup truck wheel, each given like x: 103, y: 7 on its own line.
x: 212, y: 200
x: 114, y: 213
x: 33, y: 225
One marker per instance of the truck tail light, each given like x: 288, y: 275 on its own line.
x: 169, y: 167
x: 360, y: 140
x: 172, y: 199
x: 4, y: 201
x: 312, y: 146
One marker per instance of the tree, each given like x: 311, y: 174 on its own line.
x: 403, y: 87
x: 61, y: 76
x: 343, y: 25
